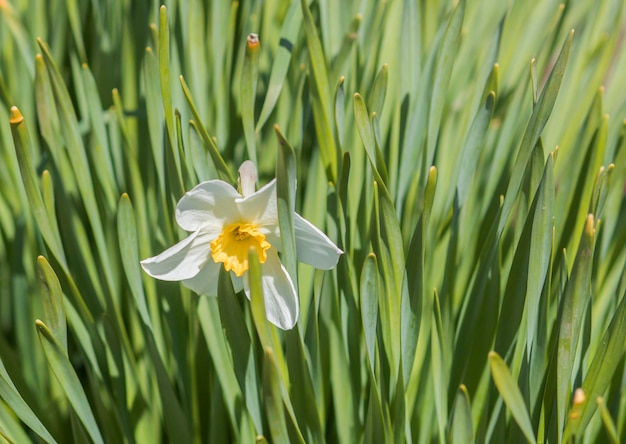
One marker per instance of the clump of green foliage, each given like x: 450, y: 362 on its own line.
x: 481, y: 294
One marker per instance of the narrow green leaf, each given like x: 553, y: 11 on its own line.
x: 286, y: 178
x: 280, y: 64
x: 369, y: 306
x: 67, y: 377
x: 575, y: 300
x: 530, y: 266
x: 257, y: 301
x: 461, y: 426
x: 154, y: 118
x: 238, y: 337
x: 610, y: 353
x: 321, y: 96
x: 445, y: 62
x: 273, y: 400
x: 164, y: 76
x: 439, y: 367
x: 379, y: 90
x: 52, y: 301
x: 609, y: 424
x: 364, y: 126
x: 209, y: 143
x: 21, y: 141
x: 10, y: 395
x: 247, y: 97
x: 473, y: 144
x: 127, y: 239
x: 511, y: 395
x: 240, y: 421
x: 105, y: 172
x: 535, y: 126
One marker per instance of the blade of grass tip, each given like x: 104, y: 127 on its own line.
x: 601, y: 371
x: 12, y: 398
x: 461, y: 426
x: 282, y: 59
x: 376, y: 429
x: 21, y: 142
x: 511, y: 394
x: 536, y: 124
x: 52, y: 301
x: 364, y: 126
x: 575, y: 299
x: 286, y: 177
x: 473, y: 144
x: 379, y: 90
x: 67, y: 377
x: 369, y: 306
x: 247, y: 97
x: 340, y: 99
x: 380, y: 158
x: 445, y: 62
x: 321, y: 96
x: 219, y: 163
x: 607, y: 420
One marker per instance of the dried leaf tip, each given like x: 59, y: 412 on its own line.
x: 579, y: 397
x: 253, y: 41
x: 15, y: 116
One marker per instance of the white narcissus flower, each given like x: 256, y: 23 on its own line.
x: 224, y: 226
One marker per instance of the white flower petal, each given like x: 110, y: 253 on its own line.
x: 260, y: 207
x: 208, y: 205
x: 205, y: 282
x: 281, y: 300
x: 313, y: 247
x: 181, y: 261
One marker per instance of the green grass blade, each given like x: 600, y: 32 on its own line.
x: 369, y: 306
x: 22, y: 149
x: 321, y: 96
x: 10, y: 395
x: 282, y: 58
x: 606, y: 361
x: 461, y: 427
x: 67, y: 377
x: 286, y: 177
x: 511, y: 394
x: 574, y: 303
x: 535, y: 126
x: 52, y: 301
x: 249, y: 77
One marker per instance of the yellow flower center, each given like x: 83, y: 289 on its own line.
x: 233, y: 244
